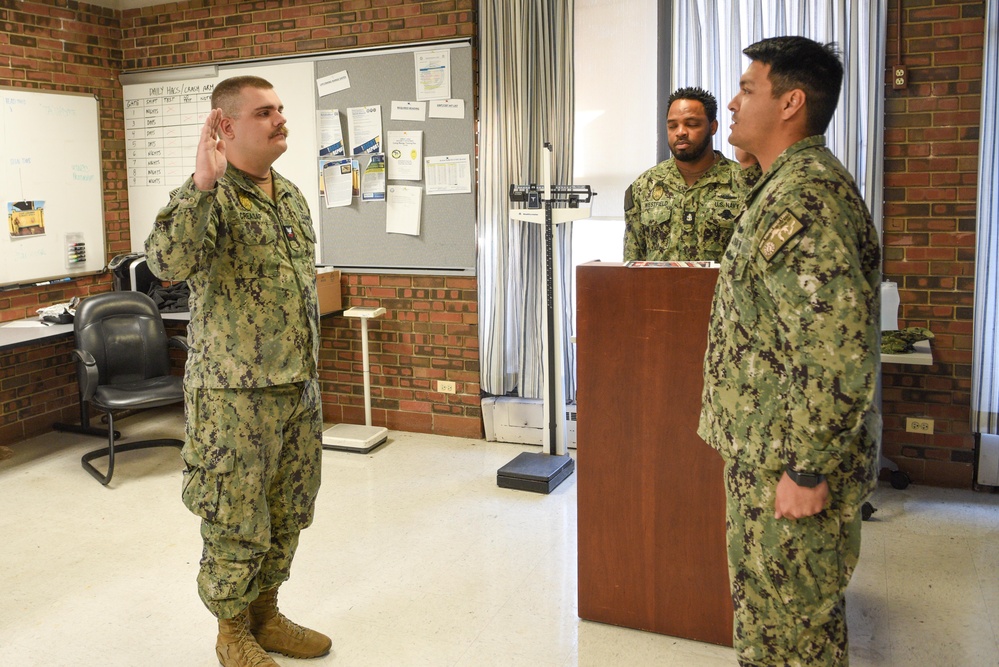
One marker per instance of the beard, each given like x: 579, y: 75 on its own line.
x: 693, y: 152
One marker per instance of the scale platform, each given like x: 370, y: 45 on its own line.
x: 354, y: 437
x: 535, y: 472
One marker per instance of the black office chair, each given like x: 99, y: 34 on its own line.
x: 122, y: 363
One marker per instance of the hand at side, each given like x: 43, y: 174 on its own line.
x: 797, y: 502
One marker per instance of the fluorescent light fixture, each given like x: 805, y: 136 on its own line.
x: 160, y: 75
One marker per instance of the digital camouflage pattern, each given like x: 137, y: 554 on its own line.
x: 788, y: 577
x: 250, y: 264
x: 790, y: 372
x: 667, y: 220
x: 252, y: 401
x: 902, y: 341
x: 253, y: 472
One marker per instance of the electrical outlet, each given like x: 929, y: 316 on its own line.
x: 899, y: 77
x: 918, y: 425
x: 445, y: 387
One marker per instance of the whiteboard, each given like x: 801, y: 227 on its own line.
x: 51, y: 186
x: 163, y: 121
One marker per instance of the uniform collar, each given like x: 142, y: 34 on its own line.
x: 707, y: 177
x: 814, y: 141
x: 241, y: 179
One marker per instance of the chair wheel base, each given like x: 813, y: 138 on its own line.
x: 104, y: 478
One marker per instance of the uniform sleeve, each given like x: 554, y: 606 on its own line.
x: 180, y: 233
x: 634, y: 235
x: 829, y: 313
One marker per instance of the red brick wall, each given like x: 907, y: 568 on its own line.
x: 931, y: 168
x: 431, y: 329
x: 73, y: 49
x: 931, y: 140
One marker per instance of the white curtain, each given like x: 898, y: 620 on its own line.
x: 525, y: 99
x: 985, y: 365
x: 709, y: 36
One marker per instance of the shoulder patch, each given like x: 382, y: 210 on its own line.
x: 628, y: 201
x: 782, y: 231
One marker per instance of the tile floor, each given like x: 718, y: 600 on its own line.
x: 418, y: 558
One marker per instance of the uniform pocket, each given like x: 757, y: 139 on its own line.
x: 204, y: 480
x: 249, y: 250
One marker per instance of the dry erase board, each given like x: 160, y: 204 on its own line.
x: 163, y: 120
x: 51, y: 186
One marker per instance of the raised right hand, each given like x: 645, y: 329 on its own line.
x: 210, y: 164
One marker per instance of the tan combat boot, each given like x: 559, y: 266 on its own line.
x: 236, y: 647
x: 274, y: 632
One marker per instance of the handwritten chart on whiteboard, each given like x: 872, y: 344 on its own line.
x: 161, y: 132
x: 51, y: 186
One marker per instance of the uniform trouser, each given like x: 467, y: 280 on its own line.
x: 788, y: 576
x: 253, y: 467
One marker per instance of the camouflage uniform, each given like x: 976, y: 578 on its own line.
x: 790, y: 376
x: 665, y: 219
x: 254, y: 413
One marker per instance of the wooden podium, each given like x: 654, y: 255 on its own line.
x: 651, y: 497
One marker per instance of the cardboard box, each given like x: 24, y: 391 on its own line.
x: 328, y: 290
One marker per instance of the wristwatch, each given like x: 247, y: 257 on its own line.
x: 806, y: 479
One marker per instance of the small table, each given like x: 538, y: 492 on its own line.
x: 921, y: 356
x: 355, y: 437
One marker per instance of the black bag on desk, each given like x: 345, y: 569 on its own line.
x: 172, y: 298
x: 130, y: 272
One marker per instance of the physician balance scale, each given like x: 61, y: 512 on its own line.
x: 548, y: 205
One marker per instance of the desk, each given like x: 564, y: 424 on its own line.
x: 20, y: 332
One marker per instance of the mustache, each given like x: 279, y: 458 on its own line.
x: 282, y: 131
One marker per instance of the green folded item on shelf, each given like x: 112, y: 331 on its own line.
x: 903, y: 340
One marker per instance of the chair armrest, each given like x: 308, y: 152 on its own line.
x: 86, y: 373
x: 179, y: 342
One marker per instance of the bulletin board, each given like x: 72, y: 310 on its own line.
x: 354, y: 237
x: 51, y: 186
x: 164, y: 110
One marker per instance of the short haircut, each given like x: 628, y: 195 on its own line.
x: 798, y: 62
x: 698, y: 95
x: 226, y: 93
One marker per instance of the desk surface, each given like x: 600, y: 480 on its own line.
x: 31, y: 330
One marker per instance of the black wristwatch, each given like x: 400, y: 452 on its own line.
x: 806, y: 479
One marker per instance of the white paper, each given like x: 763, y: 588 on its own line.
x: 447, y: 174
x: 402, y: 209
x: 373, y: 182
x: 364, y: 127
x: 330, y: 132
x: 333, y: 83
x: 338, y: 180
x: 433, y: 74
x: 411, y: 111
x: 447, y: 109
x: 405, y: 154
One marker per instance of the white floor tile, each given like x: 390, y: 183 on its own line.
x: 417, y: 557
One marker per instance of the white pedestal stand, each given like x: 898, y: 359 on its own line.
x: 354, y: 437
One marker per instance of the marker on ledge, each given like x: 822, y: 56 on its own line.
x: 52, y: 282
